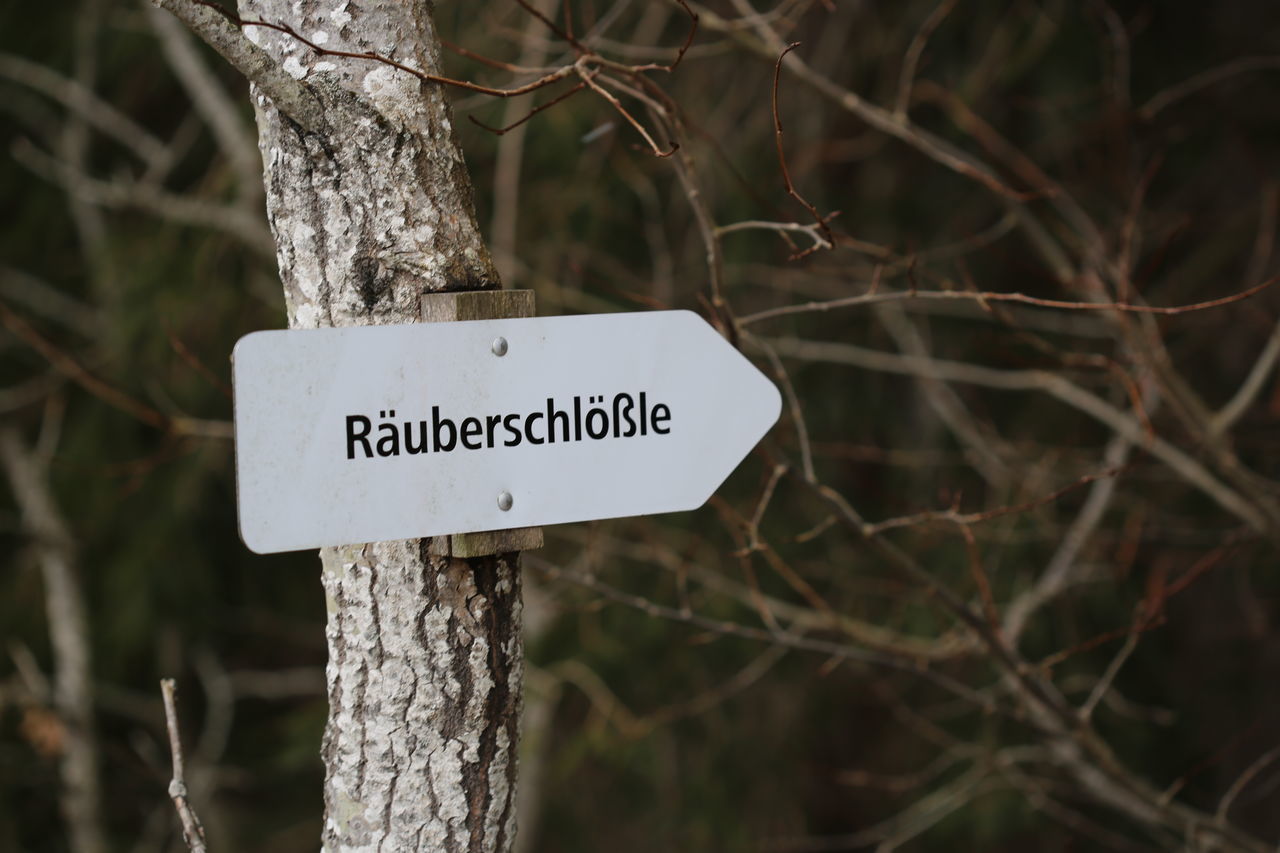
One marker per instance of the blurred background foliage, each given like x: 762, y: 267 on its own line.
x: 131, y: 265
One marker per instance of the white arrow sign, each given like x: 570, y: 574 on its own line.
x: 363, y: 434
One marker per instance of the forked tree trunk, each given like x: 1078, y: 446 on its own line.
x: 370, y: 205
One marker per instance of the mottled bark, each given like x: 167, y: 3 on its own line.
x: 371, y: 207
x: 425, y: 674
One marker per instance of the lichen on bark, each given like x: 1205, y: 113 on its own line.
x: 425, y: 673
x: 370, y: 209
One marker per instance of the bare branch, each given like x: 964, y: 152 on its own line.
x: 950, y: 644
x: 70, y: 367
x: 510, y: 156
x: 782, y: 638
x: 294, y: 98
x: 192, y: 829
x: 813, y: 231
x: 1061, y: 571
x: 771, y: 46
x: 86, y: 104
x: 687, y: 174
x: 913, y: 820
x: 988, y: 296
x: 818, y: 218
x: 1243, y: 780
x: 68, y: 636
x: 1121, y: 53
x: 1042, y: 381
x: 210, y: 100
x: 232, y: 20
x: 1234, y: 409
x: 966, y: 519
x: 1166, y: 98
x: 753, y: 527
x: 1109, y: 676
x: 49, y: 302
x: 985, y: 447
x: 244, y: 224
x: 793, y: 404
x: 911, y: 59
x: 588, y: 77
x: 499, y: 131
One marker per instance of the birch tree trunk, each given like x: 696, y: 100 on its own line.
x: 370, y: 205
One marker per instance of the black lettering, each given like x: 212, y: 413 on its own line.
x: 471, y: 429
x: 490, y: 424
x: 513, y: 430
x: 552, y: 416
x: 389, y: 443
x: 661, y: 414
x: 597, y: 420
x: 528, y: 428
x: 622, y: 406
x: 362, y: 436
x: 409, y: 446
x: 598, y: 417
x: 438, y: 443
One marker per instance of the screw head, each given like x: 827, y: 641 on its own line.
x: 499, y: 347
x: 505, y: 501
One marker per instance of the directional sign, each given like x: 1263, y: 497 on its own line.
x: 369, y: 433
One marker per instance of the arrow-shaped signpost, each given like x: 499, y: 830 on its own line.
x: 365, y: 434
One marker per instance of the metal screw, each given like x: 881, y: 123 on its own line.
x: 499, y: 347
x: 504, y: 498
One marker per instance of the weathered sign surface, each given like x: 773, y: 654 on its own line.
x: 363, y: 434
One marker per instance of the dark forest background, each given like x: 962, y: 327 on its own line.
x: 1096, y: 485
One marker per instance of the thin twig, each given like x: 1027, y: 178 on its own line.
x: 66, y: 364
x: 566, y: 35
x: 911, y: 59
x: 1113, y: 669
x: 811, y: 231
x: 782, y: 161
x: 546, y: 80
x: 987, y: 450
x: 753, y: 527
x: 793, y: 403
x: 1170, y: 96
x: 192, y: 829
x: 193, y: 361
x: 684, y: 48
x: 965, y: 519
x: 1061, y: 571
x: 499, y: 131
x: 1052, y: 384
x: 1256, y: 379
x: 980, y: 578
x: 991, y: 296
x: 589, y: 79
x: 788, y: 639
x: 492, y: 63
x: 1243, y: 780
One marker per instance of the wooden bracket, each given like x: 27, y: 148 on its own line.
x: 456, y: 306
x: 487, y: 543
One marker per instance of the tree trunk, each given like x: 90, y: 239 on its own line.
x: 371, y: 207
